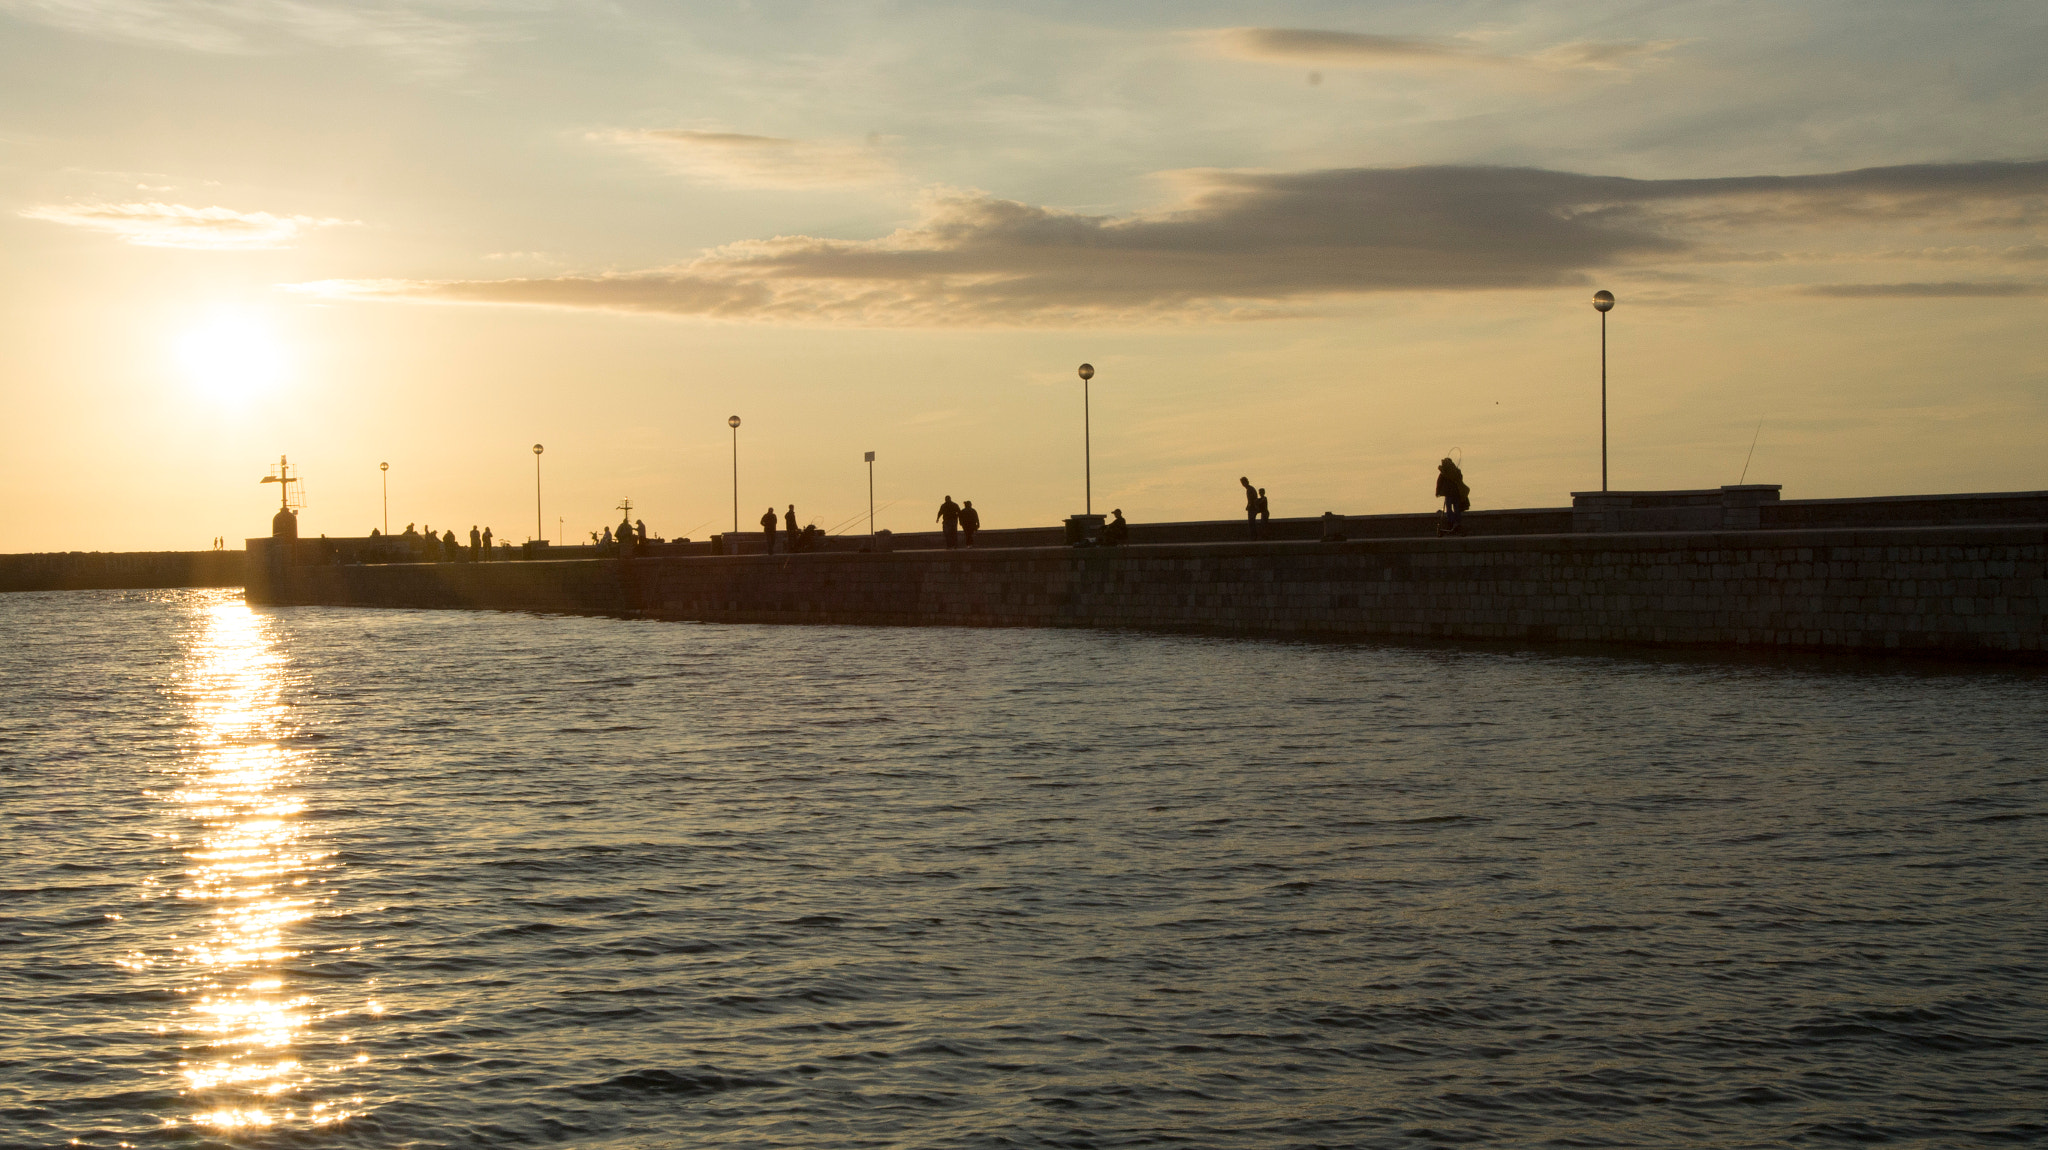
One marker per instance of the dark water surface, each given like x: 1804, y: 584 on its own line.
x: 333, y: 878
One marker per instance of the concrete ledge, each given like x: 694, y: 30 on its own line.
x: 1976, y: 591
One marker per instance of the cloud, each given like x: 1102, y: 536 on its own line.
x: 744, y: 161
x: 409, y: 31
x: 155, y: 225
x: 1240, y: 244
x: 1368, y: 50
x: 1994, y: 289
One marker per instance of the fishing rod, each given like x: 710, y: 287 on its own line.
x: 858, y: 515
x: 1752, y: 452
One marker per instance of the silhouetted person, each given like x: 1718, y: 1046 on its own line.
x: 605, y: 540
x: 639, y: 537
x: 949, y: 518
x: 476, y: 544
x: 1450, y: 487
x: 409, y: 530
x: 1265, y: 509
x: 448, y: 550
x: 625, y: 537
x: 487, y: 543
x: 1116, y: 530
x: 970, y: 522
x: 789, y: 527
x: 1251, y: 505
x: 768, y: 528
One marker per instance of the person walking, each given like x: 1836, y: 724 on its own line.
x: 970, y: 522
x: 1251, y: 504
x: 1450, y: 487
x: 768, y: 529
x: 949, y: 518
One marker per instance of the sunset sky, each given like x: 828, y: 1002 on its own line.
x: 1318, y: 244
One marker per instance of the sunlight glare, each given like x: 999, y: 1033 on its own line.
x: 231, y: 356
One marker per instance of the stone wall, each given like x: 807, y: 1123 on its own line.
x: 1973, y: 590
x: 88, y: 570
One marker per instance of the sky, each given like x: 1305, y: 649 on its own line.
x: 1322, y: 245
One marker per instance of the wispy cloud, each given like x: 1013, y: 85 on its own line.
x: 157, y: 225
x: 1251, y: 244
x: 1989, y: 289
x: 424, y: 33
x: 1333, y: 49
x: 739, y: 160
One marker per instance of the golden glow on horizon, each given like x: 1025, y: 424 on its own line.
x: 249, y: 865
x: 232, y: 356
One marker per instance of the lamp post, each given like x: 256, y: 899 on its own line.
x: 734, y: 423
x: 871, y: 495
x: 1087, y: 448
x: 1602, y: 301
x: 537, y: 534
x: 385, y: 468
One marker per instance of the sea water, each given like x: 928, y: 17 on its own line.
x: 319, y: 877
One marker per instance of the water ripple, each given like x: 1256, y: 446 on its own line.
x: 324, y: 878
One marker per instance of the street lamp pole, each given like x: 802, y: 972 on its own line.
x: 1087, y: 448
x: 734, y: 423
x: 537, y: 531
x: 871, y: 495
x: 385, y: 468
x: 1602, y: 301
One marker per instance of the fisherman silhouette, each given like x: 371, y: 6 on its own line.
x: 768, y: 528
x: 639, y: 537
x: 476, y: 544
x: 1116, y: 530
x: 1450, y: 487
x: 949, y: 516
x: 970, y: 522
x: 789, y: 524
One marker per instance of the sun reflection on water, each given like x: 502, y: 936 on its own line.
x: 250, y: 862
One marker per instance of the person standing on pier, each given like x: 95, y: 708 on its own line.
x: 1251, y: 504
x: 476, y: 544
x: 970, y: 521
x: 639, y: 537
x: 789, y: 529
x: 1265, y: 509
x: 768, y: 529
x: 487, y: 543
x: 1450, y: 487
x: 949, y: 518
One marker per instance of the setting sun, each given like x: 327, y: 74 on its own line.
x: 231, y: 356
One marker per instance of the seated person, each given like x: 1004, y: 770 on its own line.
x: 1116, y: 530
